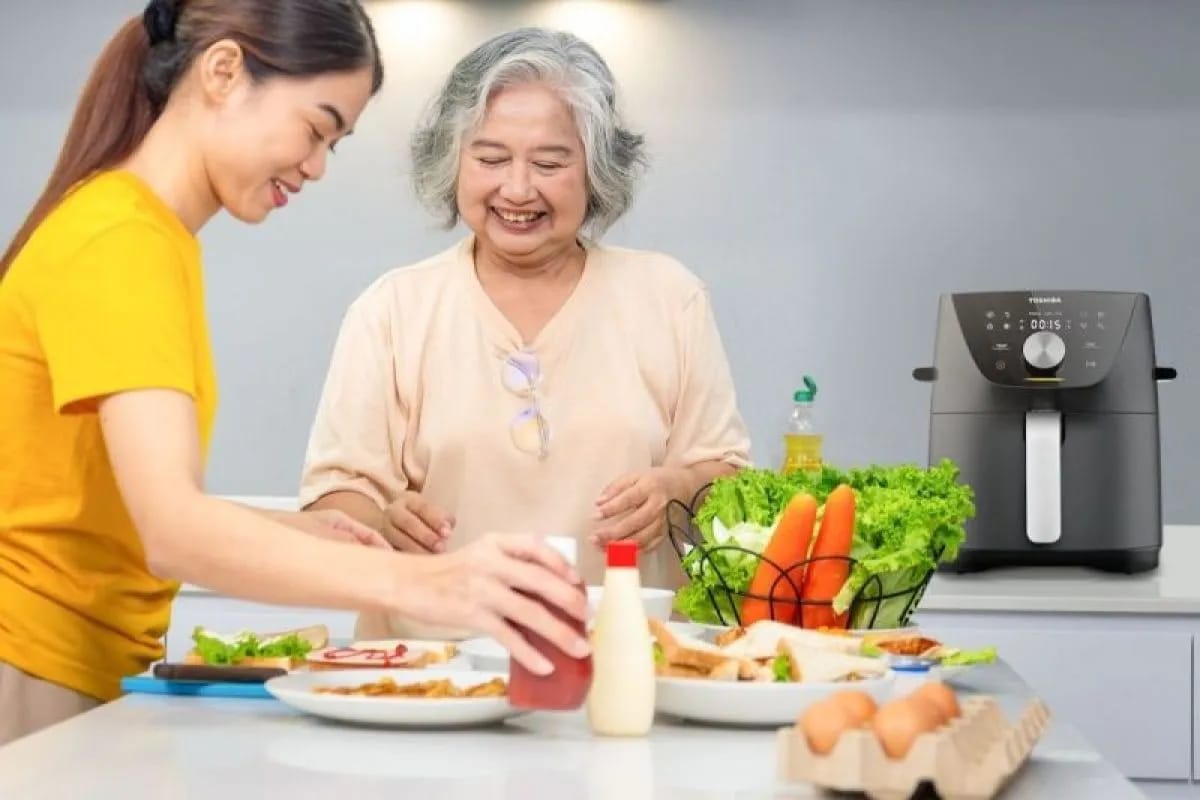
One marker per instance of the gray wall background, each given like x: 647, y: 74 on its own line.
x: 828, y: 167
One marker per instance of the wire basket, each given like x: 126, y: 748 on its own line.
x: 726, y: 603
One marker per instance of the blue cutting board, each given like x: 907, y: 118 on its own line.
x: 145, y: 684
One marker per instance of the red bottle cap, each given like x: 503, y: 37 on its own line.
x: 622, y: 554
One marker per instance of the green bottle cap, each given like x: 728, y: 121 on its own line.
x: 808, y: 393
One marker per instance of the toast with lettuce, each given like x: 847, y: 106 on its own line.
x: 907, y: 519
x: 286, y: 650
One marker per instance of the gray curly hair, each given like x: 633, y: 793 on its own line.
x: 613, y: 154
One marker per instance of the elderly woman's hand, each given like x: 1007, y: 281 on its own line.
x: 415, y: 525
x: 634, y: 506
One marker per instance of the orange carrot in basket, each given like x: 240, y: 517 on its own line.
x: 824, y: 579
x: 787, y: 547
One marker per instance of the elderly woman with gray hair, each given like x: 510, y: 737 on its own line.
x: 528, y: 379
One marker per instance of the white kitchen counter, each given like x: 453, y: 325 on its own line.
x: 1172, y: 589
x: 153, y: 746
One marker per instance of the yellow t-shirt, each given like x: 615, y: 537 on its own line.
x: 106, y: 297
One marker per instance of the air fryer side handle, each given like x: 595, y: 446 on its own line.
x: 1165, y: 373
x: 925, y: 374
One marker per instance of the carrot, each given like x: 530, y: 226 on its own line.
x: 824, y: 579
x: 787, y: 547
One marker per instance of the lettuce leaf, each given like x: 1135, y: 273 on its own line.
x: 781, y: 667
x: 725, y: 565
x: 953, y: 657
x: 217, y: 651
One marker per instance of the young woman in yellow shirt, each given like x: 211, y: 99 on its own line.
x: 107, y: 388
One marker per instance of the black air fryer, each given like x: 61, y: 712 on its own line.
x: 1048, y: 403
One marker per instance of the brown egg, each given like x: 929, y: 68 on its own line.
x: 942, y: 696
x: 898, y: 724
x: 823, y: 724
x: 859, y: 705
x: 930, y: 705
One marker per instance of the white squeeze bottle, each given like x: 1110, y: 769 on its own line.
x: 621, y: 700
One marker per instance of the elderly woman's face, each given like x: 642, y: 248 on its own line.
x: 522, y: 177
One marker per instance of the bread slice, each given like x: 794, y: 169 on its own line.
x: 820, y: 666
x: 687, y: 652
x: 726, y: 638
x: 762, y: 639
x: 382, y: 654
x: 278, y: 662
x: 674, y: 671
x: 728, y: 671
x: 439, y: 650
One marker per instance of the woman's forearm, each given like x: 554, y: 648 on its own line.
x: 236, y: 551
x: 356, y: 504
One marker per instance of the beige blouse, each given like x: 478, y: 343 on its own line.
x: 633, y: 375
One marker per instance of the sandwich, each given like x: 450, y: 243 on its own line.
x: 678, y: 656
x: 807, y: 665
x: 767, y: 652
x: 285, y: 650
x: 761, y: 641
x: 383, y: 654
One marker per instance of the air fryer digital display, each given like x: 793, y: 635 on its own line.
x: 1044, y: 339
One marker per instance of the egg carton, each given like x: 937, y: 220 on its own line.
x: 970, y: 758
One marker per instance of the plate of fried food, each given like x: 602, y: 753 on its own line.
x: 386, y: 697
x: 762, y: 675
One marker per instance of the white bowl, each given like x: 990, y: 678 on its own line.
x: 657, y: 602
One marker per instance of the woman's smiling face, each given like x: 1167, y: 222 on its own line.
x: 522, y: 177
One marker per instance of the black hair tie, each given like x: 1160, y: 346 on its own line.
x: 159, y: 18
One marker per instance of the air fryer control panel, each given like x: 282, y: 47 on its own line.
x: 1054, y: 340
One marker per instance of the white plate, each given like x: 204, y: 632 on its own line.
x: 750, y: 703
x: 296, y: 690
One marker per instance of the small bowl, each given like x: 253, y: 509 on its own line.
x: 657, y: 602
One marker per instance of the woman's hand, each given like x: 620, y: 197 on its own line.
x: 494, y: 585
x: 634, y: 506
x: 413, y: 524
x: 331, y: 524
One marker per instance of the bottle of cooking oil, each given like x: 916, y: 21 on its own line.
x: 801, y: 442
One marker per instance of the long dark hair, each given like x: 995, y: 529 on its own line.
x: 135, y: 74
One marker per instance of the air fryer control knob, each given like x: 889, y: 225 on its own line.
x: 1044, y: 350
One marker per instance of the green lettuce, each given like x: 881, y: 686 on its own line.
x: 781, y: 667
x: 907, y: 519
x: 217, y: 651
x: 729, y: 555
x: 953, y: 657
